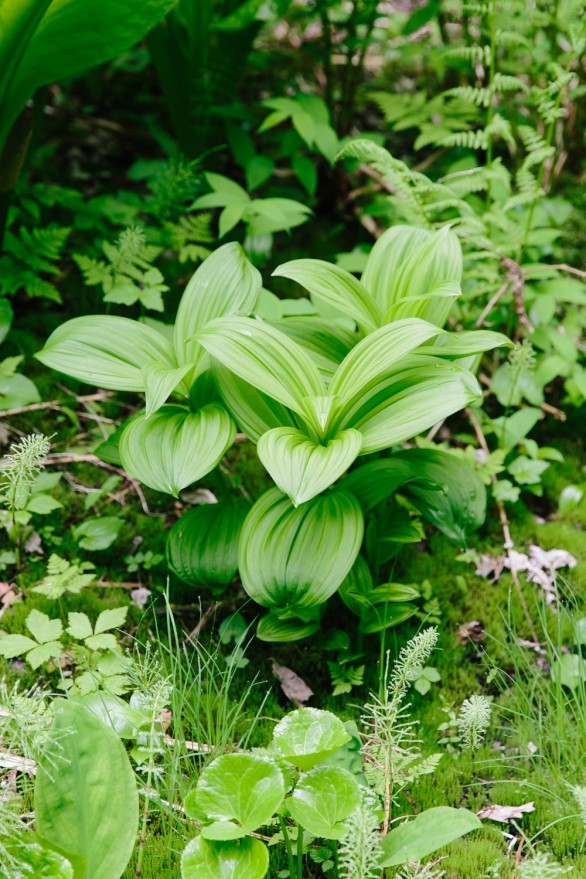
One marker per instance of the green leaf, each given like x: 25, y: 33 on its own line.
x: 175, y: 447
x: 41, y: 862
x: 239, y: 792
x: 323, y: 799
x: 375, y: 481
x: 225, y: 283
x: 385, y: 616
x: 273, y: 629
x: 255, y: 412
x: 307, y: 736
x: 99, y: 533
x: 79, y: 625
x: 112, y: 618
x: 202, y: 546
x: 336, y: 287
x: 246, y: 859
x: 296, y: 557
x: 462, y: 344
x: 78, y: 807
x: 265, y: 358
x: 106, y: 351
x: 569, y: 670
x: 42, y: 504
x: 43, y: 653
x: 426, y: 833
x: 527, y: 471
x: 15, y: 645
x: 42, y: 628
x: 160, y: 380
x: 301, y: 468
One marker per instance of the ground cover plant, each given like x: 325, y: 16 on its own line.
x: 292, y: 477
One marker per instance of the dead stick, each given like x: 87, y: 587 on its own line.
x: 51, y: 404
x: 64, y: 458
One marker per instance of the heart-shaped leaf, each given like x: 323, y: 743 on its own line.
x: 323, y: 799
x: 175, y: 447
x: 246, y: 859
x: 238, y: 793
x: 427, y: 832
x: 307, y: 736
x: 296, y: 557
x: 202, y: 547
x: 276, y: 630
x: 301, y: 468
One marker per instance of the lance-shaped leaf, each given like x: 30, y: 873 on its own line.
x: 409, y: 401
x: 237, y: 793
x: 296, y: 557
x: 265, y: 358
x: 202, y: 547
x: 79, y: 803
x: 385, y: 259
x: 426, y: 833
x: 246, y: 859
x: 106, y: 351
x: 323, y: 799
x: 307, y: 736
x: 335, y: 286
x: 434, y: 306
x: 454, y: 345
x: 225, y: 283
x: 326, y: 342
x: 375, y: 357
x: 301, y: 468
x: 49, y: 41
x: 255, y: 412
x: 175, y: 447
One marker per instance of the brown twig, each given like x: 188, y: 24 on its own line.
x: 58, y: 458
x: 203, y: 620
x: 52, y: 404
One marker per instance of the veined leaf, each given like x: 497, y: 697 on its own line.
x: 324, y: 341
x: 202, y: 547
x: 225, y: 283
x: 401, y: 405
x: 426, y: 833
x: 265, y: 358
x: 296, y: 557
x: 323, y: 799
x: 464, y: 344
x: 301, y: 468
x: 255, y: 412
x: 375, y: 481
x: 246, y: 859
x: 307, y: 736
x: 434, y: 306
x: 106, y: 351
x: 273, y: 629
x: 175, y: 447
x: 335, y: 286
x: 160, y: 381
x: 375, y: 356
x: 385, y: 259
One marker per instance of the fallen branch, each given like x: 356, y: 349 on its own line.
x: 59, y: 458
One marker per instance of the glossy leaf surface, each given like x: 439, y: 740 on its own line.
x: 307, y: 736
x: 323, y: 799
x: 246, y: 859
x: 425, y: 834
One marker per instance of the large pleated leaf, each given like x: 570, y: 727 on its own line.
x: 301, y: 468
x: 295, y: 557
x: 434, y: 306
x: 375, y: 356
x: 326, y: 342
x: 454, y: 345
x: 273, y: 629
x: 42, y: 42
x: 175, y: 447
x: 202, y: 547
x: 106, y: 351
x: 264, y: 357
x: 386, y: 258
x: 160, y: 380
x: 254, y: 412
x: 409, y: 401
x: 375, y: 481
x: 81, y: 799
x: 336, y: 287
x: 225, y: 283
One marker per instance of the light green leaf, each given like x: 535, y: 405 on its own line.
x: 160, y: 380
x: 296, y: 557
x: 41, y: 862
x: 335, y: 286
x: 79, y: 625
x: 385, y: 616
x: 101, y: 642
x: 225, y: 283
x: 15, y: 645
x: 323, y: 799
x: 462, y: 344
x: 112, y: 618
x: 246, y: 859
x: 43, y: 653
x: 265, y: 358
x: 42, y: 504
x: 175, y: 447
x: 78, y: 807
x: 426, y: 833
x: 42, y: 628
x: 106, y: 351
x: 434, y: 306
x: 275, y: 630
x: 99, y: 533
x: 301, y: 468
x: 569, y: 670
x: 307, y: 736
x: 239, y: 792
x: 202, y: 546
x: 326, y: 342
x: 255, y: 412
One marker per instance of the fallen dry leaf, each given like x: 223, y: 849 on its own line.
x: 538, y: 566
x: 292, y: 685
x: 504, y: 814
x: 472, y: 631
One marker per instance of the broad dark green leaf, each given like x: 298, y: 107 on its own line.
x: 246, y: 859
x: 323, y: 799
x: 80, y: 801
x: 426, y: 833
x: 303, y: 469
x: 202, y: 547
x: 109, y: 352
x: 175, y: 447
x: 296, y: 557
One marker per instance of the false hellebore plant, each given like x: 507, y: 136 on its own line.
x: 372, y: 369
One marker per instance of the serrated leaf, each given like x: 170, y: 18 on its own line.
x: 112, y: 618
x: 303, y: 469
x: 43, y: 653
x: 323, y: 799
x: 101, y: 642
x: 307, y: 736
x: 15, y: 645
x: 42, y: 628
x: 79, y: 625
x: 175, y: 447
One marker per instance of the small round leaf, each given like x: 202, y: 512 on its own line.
x: 246, y: 859
x: 309, y: 735
x: 323, y: 799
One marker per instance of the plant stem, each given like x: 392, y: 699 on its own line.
x: 147, y: 796
x: 299, y: 852
x: 4, y: 206
x: 288, y: 848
